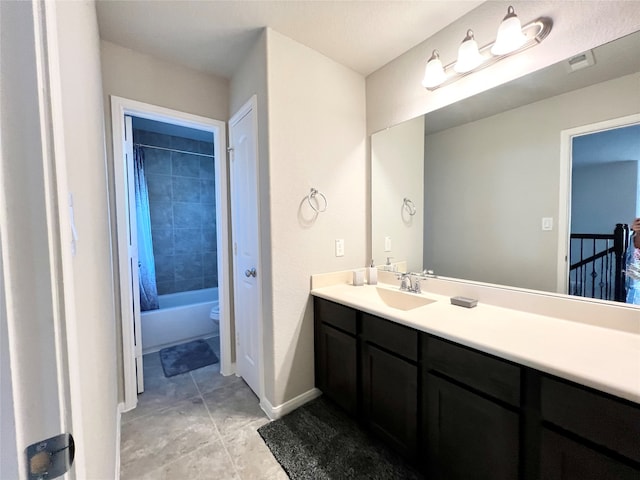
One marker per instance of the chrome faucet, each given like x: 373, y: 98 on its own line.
x: 409, y: 283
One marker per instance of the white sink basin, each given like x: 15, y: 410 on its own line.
x: 402, y: 300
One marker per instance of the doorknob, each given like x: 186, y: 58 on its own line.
x: 250, y: 273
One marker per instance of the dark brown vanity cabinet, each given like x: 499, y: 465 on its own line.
x: 471, y: 417
x: 587, y: 434
x: 465, y: 414
x: 336, y: 354
x: 390, y: 382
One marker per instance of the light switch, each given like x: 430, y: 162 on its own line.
x: 339, y: 247
x: 387, y: 244
x: 547, y: 223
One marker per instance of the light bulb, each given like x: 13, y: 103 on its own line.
x: 434, y: 72
x: 468, y: 54
x: 510, y: 37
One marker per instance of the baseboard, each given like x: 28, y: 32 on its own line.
x: 290, y: 405
x: 118, y: 429
x: 227, y: 370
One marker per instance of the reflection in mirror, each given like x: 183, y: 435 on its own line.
x: 492, y: 168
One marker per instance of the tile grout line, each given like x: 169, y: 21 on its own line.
x: 222, y: 442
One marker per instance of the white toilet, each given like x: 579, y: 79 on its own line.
x: 215, y: 317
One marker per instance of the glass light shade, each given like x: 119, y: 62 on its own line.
x: 434, y: 72
x: 468, y: 55
x: 510, y: 37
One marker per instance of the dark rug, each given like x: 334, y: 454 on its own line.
x: 319, y: 441
x: 186, y: 357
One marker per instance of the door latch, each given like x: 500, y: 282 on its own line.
x: 50, y: 458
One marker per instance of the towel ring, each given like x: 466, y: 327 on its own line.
x: 409, y: 205
x: 313, y: 194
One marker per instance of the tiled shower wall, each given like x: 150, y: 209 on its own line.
x: 182, y: 203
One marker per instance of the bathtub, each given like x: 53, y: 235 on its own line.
x: 182, y: 317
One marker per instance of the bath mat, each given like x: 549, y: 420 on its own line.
x: 319, y: 441
x: 186, y: 357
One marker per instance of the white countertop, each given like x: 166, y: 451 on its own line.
x: 601, y: 358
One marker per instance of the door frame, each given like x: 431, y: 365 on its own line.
x: 121, y: 107
x: 251, y: 106
x: 566, y: 166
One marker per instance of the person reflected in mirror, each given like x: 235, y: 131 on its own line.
x: 633, y: 264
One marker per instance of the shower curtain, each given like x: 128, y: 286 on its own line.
x: 146, y: 264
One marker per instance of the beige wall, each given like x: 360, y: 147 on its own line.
x: 135, y: 76
x: 316, y: 139
x: 501, y: 180
x: 94, y: 325
x: 397, y: 166
x: 311, y: 134
x: 395, y: 93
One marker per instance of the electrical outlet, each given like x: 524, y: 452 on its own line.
x: 547, y: 224
x: 339, y: 247
x: 387, y: 244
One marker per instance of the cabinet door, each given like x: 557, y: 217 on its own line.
x: 390, y: 398
x: 336, y: 366
x: 468, y: 436
x: 565, y: 459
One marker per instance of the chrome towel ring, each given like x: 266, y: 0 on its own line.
x: 313, y: 195
x: 409, y: 205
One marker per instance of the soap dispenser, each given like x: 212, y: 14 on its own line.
x: 373, y: 274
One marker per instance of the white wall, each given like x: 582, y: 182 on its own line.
x: 485, y: 196
x: 316, y: 139
x: 136, y: 76
x: 311, y: 128
x: 84, y: 148
x: 397, y: 171
x: 395, y: 93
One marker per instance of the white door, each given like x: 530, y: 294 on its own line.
x: 132, y: 248
x: 246, y: 244
x: 36, y: 400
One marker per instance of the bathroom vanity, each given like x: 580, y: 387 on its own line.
x: 481, y: 393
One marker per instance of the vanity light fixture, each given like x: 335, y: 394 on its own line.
x: 434, y: 72
x: 512, y: 38
x: 468, y: 54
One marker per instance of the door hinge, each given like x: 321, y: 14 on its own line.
x: 235, y: 248
x: 50, y: 458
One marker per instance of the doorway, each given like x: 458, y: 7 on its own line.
x: 126, y: 116
x: 600, y: 185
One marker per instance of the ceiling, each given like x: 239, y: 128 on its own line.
x: 215, y: 35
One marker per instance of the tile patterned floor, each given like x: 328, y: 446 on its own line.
x: 198, y: 425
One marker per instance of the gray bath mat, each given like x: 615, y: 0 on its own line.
x: 318, y: 441
x: 186, y: 357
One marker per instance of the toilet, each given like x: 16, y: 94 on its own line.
x: 214, y: 315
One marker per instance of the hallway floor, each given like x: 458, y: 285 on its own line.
x: 198, y: 425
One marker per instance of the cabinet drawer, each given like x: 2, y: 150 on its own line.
x: 612, y: 423
x: 396, y: 338
x: 487, y: 374
x: 336, y: 315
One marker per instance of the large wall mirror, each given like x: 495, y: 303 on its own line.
x: 498, y: 178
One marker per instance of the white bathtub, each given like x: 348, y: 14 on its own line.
x: 182, y: 317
